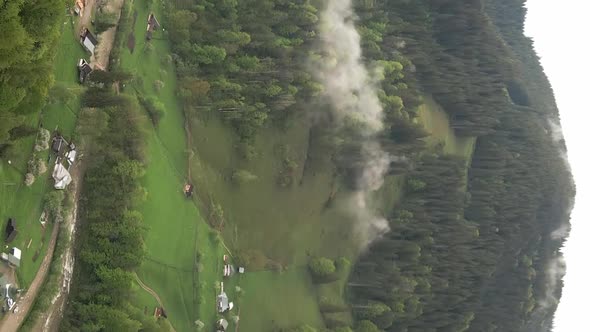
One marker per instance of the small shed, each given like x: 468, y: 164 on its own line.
x: 10, y: 231
x: 88, y: 40
x: 228, y: 270
x: 14, y: 256
x: 222, y: 325
x: 71, y: 156
x: 84, y: 69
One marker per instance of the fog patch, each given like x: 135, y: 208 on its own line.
x: 351, y: 92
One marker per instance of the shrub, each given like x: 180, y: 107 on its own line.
x: 21, y: 131
x: 53, y: 204
x: 199, y: 325
x: 321, y: 267
x: 29, y: 179
x: 242, y: 176
x: 247, y: 151
x: 105, y: 21
x: 154, y: 108
x: 158, y: 85
x: 367, y: 326
x: 42, y: 142
x: 41, y: 166
x: 148, y: 48
x: 167, y: 59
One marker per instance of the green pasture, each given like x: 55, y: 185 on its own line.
x: 278, y: 300
x: 183, y: 257
x: 436, y: 122
x: 25, y: 203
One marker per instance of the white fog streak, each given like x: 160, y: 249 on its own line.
x: 353, y: 98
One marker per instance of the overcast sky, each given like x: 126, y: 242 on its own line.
x: 560, y: 31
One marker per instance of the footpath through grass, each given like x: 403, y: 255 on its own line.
x: 183, y: 258
x: 25, y: 203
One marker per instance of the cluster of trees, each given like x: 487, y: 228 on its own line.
x: 111, y: 230
x: 245, y: 60
x: 27, y: 45
x: 471, y: 245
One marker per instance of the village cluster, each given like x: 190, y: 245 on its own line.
x: 65, y: 157
x: 224, y: 305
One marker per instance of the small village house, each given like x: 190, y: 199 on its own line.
x: 84, y: 69
x: 152, y: 25
x: 61, y: 176
x: 10, y: 231
x: 88, y: 40
x: 13, y: 257
x: 222, y: 325
x: 223, y: 303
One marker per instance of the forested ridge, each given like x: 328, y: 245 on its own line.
x: 484, y: 259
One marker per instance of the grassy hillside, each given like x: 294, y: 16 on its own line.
x: 178, y: 240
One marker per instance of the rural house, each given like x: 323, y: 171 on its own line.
x: 13, y: 257
x: 223, y: 303
x: 88, y: 40
x: 84, y: 70
x: 10, y: 231
x: 61, y: 176
x: 152, y: 25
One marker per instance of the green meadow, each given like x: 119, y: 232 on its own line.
x: 183, y: 256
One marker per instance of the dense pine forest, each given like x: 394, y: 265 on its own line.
x: 480, y: 259
x: 470, y: 241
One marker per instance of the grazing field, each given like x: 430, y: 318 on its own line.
x: 183, y: 256
x: 274, y: 300
x: 25, y: 203
x: 436, y: 121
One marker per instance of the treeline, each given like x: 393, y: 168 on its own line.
x: 111, y: 230
x: 27, y: 45
x: 475, y: 255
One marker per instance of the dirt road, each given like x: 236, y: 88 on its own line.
x: 149, y: 290
x: 100, y: 59
x: 84, y: 20
x: 154, y: 294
